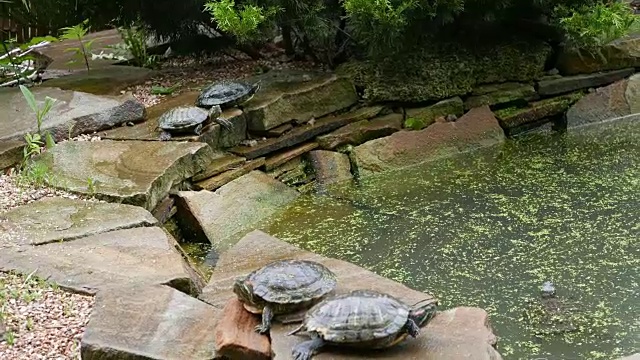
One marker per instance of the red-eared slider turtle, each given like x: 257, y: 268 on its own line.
x: 226, y: 94
x: 284, y: 287
x: 189, y: 119
x: 362, y: 319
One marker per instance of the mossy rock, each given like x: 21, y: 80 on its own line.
x: 420, y: 118
x: 513, y: 117
x: 440, y: 72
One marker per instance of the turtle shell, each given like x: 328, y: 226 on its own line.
x: 292, y: 281
x: 362, y: 316
x: 226, y: 94
x: 182, y: 118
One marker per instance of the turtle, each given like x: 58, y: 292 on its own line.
x: 226, y: 94
x: 185, y: 119
x: 361, y: 319
x: 283, y: 287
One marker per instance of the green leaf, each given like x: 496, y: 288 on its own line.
x: 28, y: 95
x: 49, y: 140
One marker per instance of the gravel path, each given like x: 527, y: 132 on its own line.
x: 40, y: 321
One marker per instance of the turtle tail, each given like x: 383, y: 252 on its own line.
x: 296, y: 330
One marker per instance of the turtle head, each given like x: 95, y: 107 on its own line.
x: 548, y: 290
x: 214, y: 112
x: 244, y: 290
x: 423, y: 312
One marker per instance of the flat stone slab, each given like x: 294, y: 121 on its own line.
x: 306, y: 132
x: 461, y: 333
x: 513, y: 119
x: 420, y: 118
x: 59, y: 219
x: 152, y: 322
x: 132, y: 172
x: 500, y: 94
x: 477, y: 128
x: 284, y: 156
x: 139, y: 256
x: 220, y: 163
x: 108, y: 80
x: 280, y: 102
x: 11, y: 152
x: 217, y: 181
x: 362, y: 131
x: 572, y: 83
x: 234, y: 208
x: 83, y: 112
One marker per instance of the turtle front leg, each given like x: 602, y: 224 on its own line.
x: 165, y: 136
x: 305, y: 350
x: 267, y: 316
x: 412, y: 328
x: 198, y: 129
x: 225, y: 123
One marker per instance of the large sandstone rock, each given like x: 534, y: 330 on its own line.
x: 217, y: 181
x: 306, y: 132
x: 603, y: 104
x: 212, y: 133
x: 82, y: 112
x: 220, y: 216
x: 330, y: 166
x: 577, y: 82
x: 280, y: 102
x: 361, y: 131
x: 138, y: 256
x: 132, y: 172
x: 478, y: 128
x: 461, y: 333
x: 11, y: 152
x: 287, y: 155
x: 151, y: 322
x: 440, y: 71
x: 619, y: 54
x: 59, y: 219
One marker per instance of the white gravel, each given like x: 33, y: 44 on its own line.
x: 12, y: 195
x: 39, y: 320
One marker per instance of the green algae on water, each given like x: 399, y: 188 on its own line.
x: 487, y: 229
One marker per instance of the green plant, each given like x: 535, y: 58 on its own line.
x: 10, y: 337
x: 243, y: 23
x: 78, y: 32
x: 161, y: 90
x: 32, y: 148
x: 35, y: 174
x: 591, y: 27
x: 135, y: 42
x: 92, y: 185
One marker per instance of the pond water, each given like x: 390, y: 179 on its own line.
x: 488, y: 228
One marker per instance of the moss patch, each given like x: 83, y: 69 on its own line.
x: 514, y: 117
x: 443, y: 71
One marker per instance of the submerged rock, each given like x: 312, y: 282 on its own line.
x: 460, y: 333
x: 234, y: 208
x: 478, y: 128
x: 74, y: 113
x: 132, y: 172
x: 150, y: 322
x: 330, y: 166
